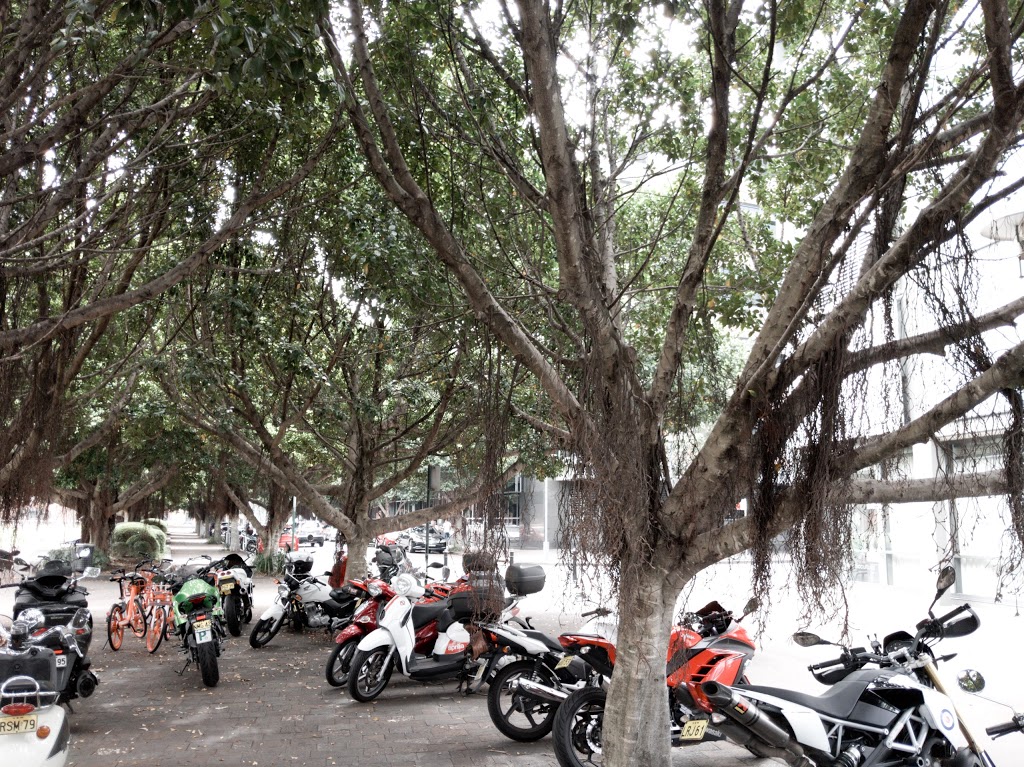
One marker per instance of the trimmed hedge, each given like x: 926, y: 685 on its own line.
x: 156, y: 523
x: 137, y: 540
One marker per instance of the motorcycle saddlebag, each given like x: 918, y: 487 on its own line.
x: 524, y: 579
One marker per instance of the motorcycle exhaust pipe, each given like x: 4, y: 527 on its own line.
x: 746, y: 713
x: 537, y: 690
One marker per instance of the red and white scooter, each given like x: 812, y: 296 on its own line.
x: 393, y: 643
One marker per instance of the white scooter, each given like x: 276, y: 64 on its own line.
x: 34, y: 730
x: 406, y: 639
x: 304, y: 600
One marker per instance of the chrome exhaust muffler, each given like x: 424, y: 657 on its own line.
x: 537, y: 690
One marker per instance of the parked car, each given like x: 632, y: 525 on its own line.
x: 418, y: 540
x: 288, y: 541
x: 311, y: 533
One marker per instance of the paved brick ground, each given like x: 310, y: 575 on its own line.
x: 274, y: 708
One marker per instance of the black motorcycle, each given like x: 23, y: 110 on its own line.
x: 55, y: 590
x: 70, y: 644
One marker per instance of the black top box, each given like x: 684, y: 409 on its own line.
x: 524, y: 579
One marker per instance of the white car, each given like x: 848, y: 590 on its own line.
x: 310, y: 533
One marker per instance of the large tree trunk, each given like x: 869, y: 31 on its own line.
x: 636, y: 722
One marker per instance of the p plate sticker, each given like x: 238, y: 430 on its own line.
x: 948, y: 720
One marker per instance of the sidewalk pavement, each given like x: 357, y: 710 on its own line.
x: 274, y: 707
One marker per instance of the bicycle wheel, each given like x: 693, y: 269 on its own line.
x: 138, y: 621
x: 115, y: 627
x: 157, y: 625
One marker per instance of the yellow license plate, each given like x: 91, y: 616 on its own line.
x: 694, y: 729
x: 202, y: 625
x: 227, y: 589
x: 16, y: 725
x: 563, y: 662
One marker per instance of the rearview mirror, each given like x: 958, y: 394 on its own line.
x: 807, y: 639
x: 970, y: 680
x: 947, y: 577
x: 90, y: 572
x: 752, y: 604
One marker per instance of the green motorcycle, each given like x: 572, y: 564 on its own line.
x: 198, y: 619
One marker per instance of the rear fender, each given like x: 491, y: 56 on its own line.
x: 805, y: 723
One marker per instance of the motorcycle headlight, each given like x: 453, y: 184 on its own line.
x: 33, y: 618
x: 374, y: 589
x: 283, y: 590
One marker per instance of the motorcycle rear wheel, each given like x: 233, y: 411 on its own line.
x: 232, y: 615
x: 264, y: 630
x: 206, y: 655
x: 115, y: 629
x: 339, y: 662
x: 516, y: 715
x: 577, y: 728
x: 157, y: 628
x: 367, y: 676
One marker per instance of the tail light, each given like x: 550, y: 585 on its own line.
x: 18, y: 709
x: 197, y: 599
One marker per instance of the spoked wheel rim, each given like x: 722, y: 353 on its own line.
x: 115, y: 629
x: 517, y: 715
x: 370, y: 675
x: 138, y: 621
x: 339, y: 664
x: 578, y: 726
x: 157, y: 628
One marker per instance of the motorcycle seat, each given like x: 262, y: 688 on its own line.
x: 838, y: 701
x: 540, y: 636
x: 423, y: 614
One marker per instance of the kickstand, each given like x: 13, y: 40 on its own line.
x: 188, y: 663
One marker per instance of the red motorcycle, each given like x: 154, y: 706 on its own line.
x: 707, y: 645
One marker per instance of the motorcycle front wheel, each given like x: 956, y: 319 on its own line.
x: 516, y: 715
x: 370, y: 673
x: 577, y: 728
x: 157, y: 628
x: 206, y: 656
x: 264, y: 630
x: 232, y: 615
x: 339, y: 663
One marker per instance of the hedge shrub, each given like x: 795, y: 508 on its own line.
x: 136, y: 540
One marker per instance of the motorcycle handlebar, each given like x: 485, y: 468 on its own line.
x: 998, y: 730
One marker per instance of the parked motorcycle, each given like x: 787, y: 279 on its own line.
x: 372, y: 594
x: 198, y: 618
x: 303, y: 601
x: 55, y: 590
x: 709, y: 644
x: 70, y: 645
x: 523, y: 695
x: 885, y: 706
x: 34, y: 728
x: 466, y: 648
x: 234, y: 579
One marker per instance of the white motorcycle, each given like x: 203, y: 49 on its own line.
x: 234, y: 580
x: 34, y: 729
x: 304, y: 601
x: 441, y: 640
x: 886, y: 707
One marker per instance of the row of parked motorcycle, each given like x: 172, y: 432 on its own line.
x: 884, y: 706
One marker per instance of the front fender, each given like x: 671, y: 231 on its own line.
x: 376, y: 638
x: 351, y: 631
x: 275, y: 611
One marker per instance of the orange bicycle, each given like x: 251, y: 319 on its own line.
x: 143, y: 608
